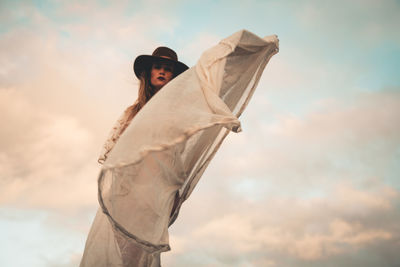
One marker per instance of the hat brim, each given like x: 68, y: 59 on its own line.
x: 144, y: 63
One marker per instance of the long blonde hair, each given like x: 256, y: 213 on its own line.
x: 145, y: 93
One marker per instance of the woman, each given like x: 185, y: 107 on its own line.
x: 153, y: 72
x: 164, y: 151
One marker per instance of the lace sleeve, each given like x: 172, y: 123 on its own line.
x: 119, y: 127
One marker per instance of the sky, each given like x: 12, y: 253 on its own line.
x: 312, y: 180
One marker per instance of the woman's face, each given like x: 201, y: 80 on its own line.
x: 161, y: 74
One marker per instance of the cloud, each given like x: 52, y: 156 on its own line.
x: 370, y: 116
x: 353, y: 138
x: 279, y: 228
x: 44, y: 156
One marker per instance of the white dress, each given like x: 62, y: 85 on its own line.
x: 166, y: 148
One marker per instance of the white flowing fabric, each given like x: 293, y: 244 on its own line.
x: 165, y: 149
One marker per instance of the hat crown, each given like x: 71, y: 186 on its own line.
x: 163, y: 51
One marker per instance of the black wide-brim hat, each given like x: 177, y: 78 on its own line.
x: 161, y: 54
